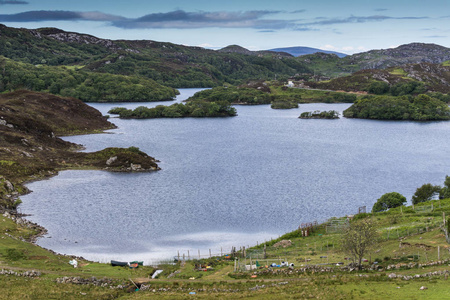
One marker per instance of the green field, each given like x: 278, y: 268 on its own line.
x: 406, y: 236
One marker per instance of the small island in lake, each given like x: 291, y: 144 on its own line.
x: 331, y: 114
x: 195, y: 109
x: 419, y: 108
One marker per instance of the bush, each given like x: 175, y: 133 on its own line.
x: 14, y: 254
x: 425, y: 193
x: 389, y: 200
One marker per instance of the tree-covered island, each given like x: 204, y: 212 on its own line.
x: 419, y: 108
x: 195, y: 109
x: 331, y: 114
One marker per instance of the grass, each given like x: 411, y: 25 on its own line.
x: 446, y: 63
x: 405, y: 225
x: 399, y: 72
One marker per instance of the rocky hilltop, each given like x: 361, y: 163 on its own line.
x: 433, y: 77
x: 405, y: 54
x: 30, y: 148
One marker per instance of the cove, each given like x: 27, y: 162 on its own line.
x: 230, y: 181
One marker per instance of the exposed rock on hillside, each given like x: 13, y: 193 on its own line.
x: 30, y: 148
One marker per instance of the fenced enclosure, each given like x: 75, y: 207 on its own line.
x: 336, y: 225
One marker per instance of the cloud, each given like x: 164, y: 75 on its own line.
x: 329, y: 48
x: 358, y: 19
x: 381, y: 9
x: 181, y: 19
x: 435, y: 36
x: 261, y: 20
x: 57, y: 15
x: 298, y: 11
x: 13, y: 2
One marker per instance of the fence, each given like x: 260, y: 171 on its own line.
x: 336, y: 225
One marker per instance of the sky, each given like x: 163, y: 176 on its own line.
x: 338, y: 25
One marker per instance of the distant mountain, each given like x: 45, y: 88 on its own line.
x: 414, y: 53
x: 299, y: 51
x: 242, y: 50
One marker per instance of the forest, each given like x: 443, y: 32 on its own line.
x: 84, y: 85
x: 419, y: 108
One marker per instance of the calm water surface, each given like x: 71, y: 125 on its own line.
x: 231, y: 181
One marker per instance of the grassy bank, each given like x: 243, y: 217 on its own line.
x: 411, y: 245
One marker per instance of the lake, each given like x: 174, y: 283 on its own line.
x: 231, y: 181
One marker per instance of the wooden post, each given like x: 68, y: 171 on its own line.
x: 439, y: 252
x: 235, y: 265
x: 198, y: 253
x: 184, y: 257
x: 189, y: 257
x: 251, y: 264
x: 209, y: 253
x: 221, y: 252
x: 265, y: 254
x: 178, y: 255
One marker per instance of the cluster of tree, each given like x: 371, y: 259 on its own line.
x: 196, y: 109
x: 84, y: 85
x: 331, y: 114
x: 424, y: 193
x: 233, y: 95
x: 260, y: 92
x: 398, y: 89
x: 420, y: 108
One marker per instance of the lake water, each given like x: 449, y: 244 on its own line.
x: 231, y: 181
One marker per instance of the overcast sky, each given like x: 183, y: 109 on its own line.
x: 345, y: 26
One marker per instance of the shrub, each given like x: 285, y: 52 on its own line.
x: 389, y: 200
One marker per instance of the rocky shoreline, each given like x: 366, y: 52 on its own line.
x: 30, y: 148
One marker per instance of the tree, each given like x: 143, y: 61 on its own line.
x: 359, y: 238
x: 389, y: 200
x: 425, y: 192
x: 445, y: 191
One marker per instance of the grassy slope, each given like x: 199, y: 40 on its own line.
x: 218, y: 283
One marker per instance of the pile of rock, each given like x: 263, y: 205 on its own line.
x: 417, y: 276
x: 31, y: 273
x: 104, y: 282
